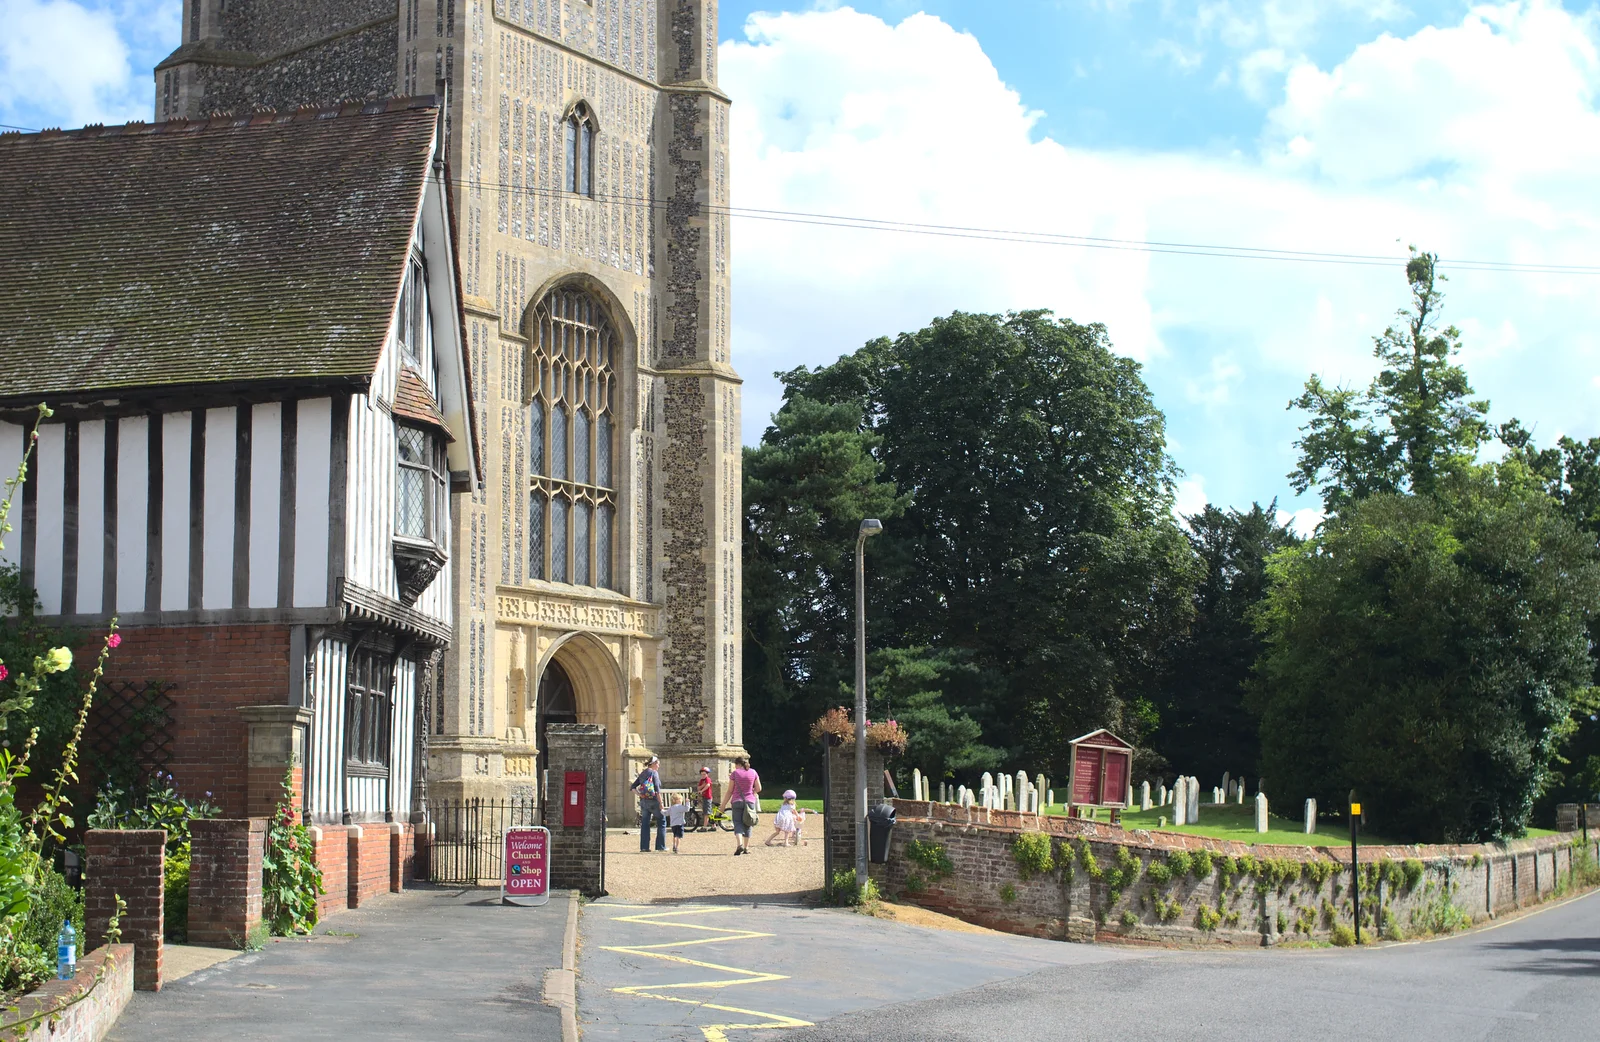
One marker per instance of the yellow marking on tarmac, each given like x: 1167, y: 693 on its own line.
x: 712, y: 1032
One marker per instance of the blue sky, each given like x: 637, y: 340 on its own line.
x: 1335, y: 125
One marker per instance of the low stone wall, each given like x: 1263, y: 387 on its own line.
x: 1103, y: 884
x: 82, y: 1009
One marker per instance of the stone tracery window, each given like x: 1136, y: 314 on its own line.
x: 572, y: 498
x: 580, y: 135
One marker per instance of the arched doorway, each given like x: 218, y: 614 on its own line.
x: 558, y: 703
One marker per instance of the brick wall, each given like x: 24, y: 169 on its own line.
x: 839, y: 843
x: 225, y: 880
x: 369, y: 850
x: 82, y: 1009
x: 986, y: 886
x: 216, y: 670
x: 577, y: 853
x: 331, y: 848
x: 127, y: 863
x: 402, y: 855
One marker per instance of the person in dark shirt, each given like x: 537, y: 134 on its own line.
x: 648, y: 786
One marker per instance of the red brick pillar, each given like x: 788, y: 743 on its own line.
x: 277, y: 736
x: 225, y: 880
x: 127, y: 863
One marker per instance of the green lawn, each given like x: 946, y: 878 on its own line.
x: 1238, y: 823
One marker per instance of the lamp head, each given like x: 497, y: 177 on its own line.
x: 871, y: 527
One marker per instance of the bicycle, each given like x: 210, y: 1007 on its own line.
x: 697, y: 820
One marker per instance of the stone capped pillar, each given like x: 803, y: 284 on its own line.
x: 839, y: 808
x: 277, y: 737
x: 131, y: 864
x: 225, y: 880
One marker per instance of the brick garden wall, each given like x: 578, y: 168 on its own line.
x: 368, y: 874
x: 82, y: 1009
x: 216, y: 670
x: 577, y: 853
x: 332, y: 851
x: 225, y: 880
x: 839, y: 843
x: 986, y: 886
x: 127, y: 863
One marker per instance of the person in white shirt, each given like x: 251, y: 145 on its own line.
x: 675, y: 816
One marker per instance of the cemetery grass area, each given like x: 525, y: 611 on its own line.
x: 1238, y: 823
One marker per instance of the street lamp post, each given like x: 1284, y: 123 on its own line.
x: 870, y: 527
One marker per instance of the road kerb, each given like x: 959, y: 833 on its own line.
x: 561, y: 986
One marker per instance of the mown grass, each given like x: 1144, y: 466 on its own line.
x: 1238, y: 823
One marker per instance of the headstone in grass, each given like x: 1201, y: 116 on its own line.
x: 1194, y: 800
x: 1180, y: 802
x: 1311, y: 817
x: 1161, y: 794
x: 1043, y: 785
x: 916, y: 783
x: 1129, y: 801
x: 988, y: 780
x: 1144, y: 795
x: 1227, y: 782
x: 1050, y: 797
x: 1261, y: 812
x: 1238, y: 795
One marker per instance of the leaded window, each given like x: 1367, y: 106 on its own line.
x: 572, y: 497
x: 368, y: 708
x: 580, y: 135
x: 421, y: 507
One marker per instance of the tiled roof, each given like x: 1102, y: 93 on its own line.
x: 232, y: 250
x: 412, y: 401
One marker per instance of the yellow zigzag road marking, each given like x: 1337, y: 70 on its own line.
x: 712, y: 1032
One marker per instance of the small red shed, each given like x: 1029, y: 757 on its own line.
x: 1102, y: 763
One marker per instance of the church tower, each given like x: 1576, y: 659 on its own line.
x: 598, y: 566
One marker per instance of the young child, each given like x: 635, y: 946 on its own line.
x: 787, y: 822
x: 675, y: 815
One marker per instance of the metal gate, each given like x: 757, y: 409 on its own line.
x: 468, y: 838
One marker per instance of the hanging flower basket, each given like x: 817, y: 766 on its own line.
x: 836, y: 726
x: 887, y: 737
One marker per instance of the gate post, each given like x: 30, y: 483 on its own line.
x: 277, y: 736
x: 577, y: 851
x: 839, y: 810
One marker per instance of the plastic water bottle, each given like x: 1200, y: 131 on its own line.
x: 66, y: 951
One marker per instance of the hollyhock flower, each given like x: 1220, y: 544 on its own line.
x: 114, y: 641
x: 4, y: 672
x: 54, y: 661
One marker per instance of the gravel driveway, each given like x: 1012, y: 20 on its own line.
x: 706, y: 867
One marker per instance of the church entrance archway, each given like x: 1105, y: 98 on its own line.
x: 558, y: 704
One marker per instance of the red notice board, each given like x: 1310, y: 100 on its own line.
x: 1102, y: 763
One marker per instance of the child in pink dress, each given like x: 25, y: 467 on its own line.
x: 787, y: 823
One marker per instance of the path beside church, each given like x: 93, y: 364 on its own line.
x: 706, y: 867
x: 429, y: 963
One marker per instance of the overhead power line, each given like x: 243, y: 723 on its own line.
x: 1061, y: 239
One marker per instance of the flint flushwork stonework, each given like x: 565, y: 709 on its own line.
x: 653, y: 656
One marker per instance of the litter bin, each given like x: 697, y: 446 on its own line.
x: 880, y: 822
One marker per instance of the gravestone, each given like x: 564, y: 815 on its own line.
x: 988, y: 780
x: 1129, y: 801
x: 1311, y: 817
x: 1050, y: 797
x: 1261, y: 812
x: 1144, y: 795
x: 1180, y: 802
x: 1161, y: 794
x: 1238, y: 793
x: 916, y: 783
x: 1227, y: 783
x: 1043, y: 785
x: 1022, y: 786
x: 1193, y: 792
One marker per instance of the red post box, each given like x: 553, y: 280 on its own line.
x: 574, y: 797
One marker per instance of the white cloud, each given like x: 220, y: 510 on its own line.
x: 1191, y: 497
x: 62, y: 57
x: 1302, y: 523
x: 839, y: 112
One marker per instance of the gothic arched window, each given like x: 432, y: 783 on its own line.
x: 572, y: 498
x: 580, y: 134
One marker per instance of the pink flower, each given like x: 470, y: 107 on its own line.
x: 114, y: 641
x: 4, y: 672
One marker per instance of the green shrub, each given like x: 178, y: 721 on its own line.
x: 1584, y: 869
x: 1034, y: 854
x: 1087, y: 859
x: 1440, y: 915
x: 1200, y: 863
x: 1179, y: 862
x: 1207, y: 918
x: 175, y: 895
x: 931, y: 856
x: 1330, y: 914
x: 1247, y: 864
x: 1318, y: 871
x: 1283, y: 922
x: 1231, y: 918
x: 841, y: 891
x: 1413, y: 873
x: 1229, y: 866
x: 1008, y: 893
x: 915, y: 883
x: 1391, y: 927
x: 1158, y: 873
x: 1129, y: 919
x: 1167, y: 911
x: 1343, y: 936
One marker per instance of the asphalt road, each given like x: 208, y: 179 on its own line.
x: 427, y: 964
x: 707, y: 973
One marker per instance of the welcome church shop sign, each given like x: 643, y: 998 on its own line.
x: 1102, y: 763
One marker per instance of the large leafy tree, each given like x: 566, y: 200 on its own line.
x: 1429, y: 645
x: 1205, y: 727
x: 1039, y: 541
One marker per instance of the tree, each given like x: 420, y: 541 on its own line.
x: 1426, y: 650
x: 1429, y: 645
x: 1039, y: 540
x: 1416, y: 420
x: 806, y: 488
x: 924, y: 690
x: 1205, y: 728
